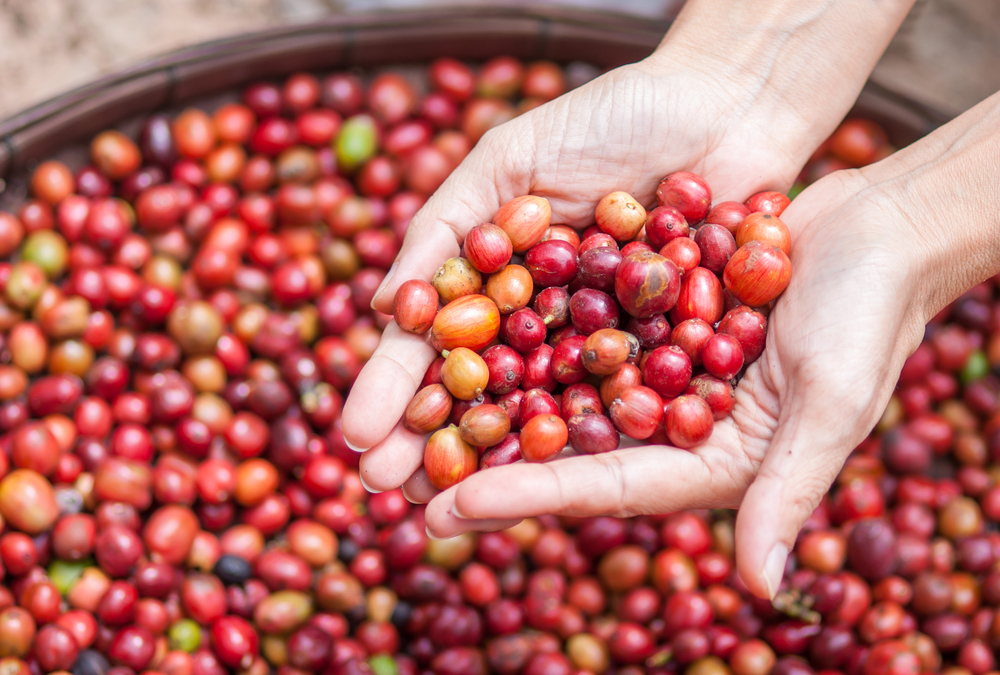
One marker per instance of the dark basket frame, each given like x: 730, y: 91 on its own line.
x: 345, y: 41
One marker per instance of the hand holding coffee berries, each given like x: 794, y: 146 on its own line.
x: 580, y: 339
x: 834, y: 337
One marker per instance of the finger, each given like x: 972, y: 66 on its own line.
x: 443, y: 521
x: 389, y: 464
x: 468, y: 197
x: 808, y: 450
x: 385, y: 386
x: 418, y: 489
x: 648, y: 479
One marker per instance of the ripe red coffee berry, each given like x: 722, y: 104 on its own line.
x: 567, y: 360
x: 538, y: 370
x: 544, y: 436
x: 428, y: 409
x: 552, y: 305
x: 484, y: 425
x: 683, y: 252
x: 691, y: 336
x: 448, y: 459
x: 667, y: 371
x: 506, y: 368
x: 56, y: 648
x: 594, y: 238
x: 766, y: 228
x: 415, y: 306
x: 606, y: 350
x: 688, y: 193
x: 651, y: 331
x: 772, y: 203
x: 664, y: 224
x: 597, y: 268
x: 858, y: 142
x: 536, y: 402
x: 472, y: 321
x: 700, y: 298
x: 757, y: 273
x: 591, y: 310
x: 505, y: 452
x: 718, y: 394
x: 580, y: 399
x: 626, y: 377
x: 722, y: 356
x: 525, y: 220
x: 488, y: 248
x: 592, y: 434
x: 749, y: 327
x: 716, y: 245
x: 637, y: 412
x: 620, y: 215
x: 646, y: 284
x: 234, y: 641
x: 551, y: 263
x: 525, y: 331
x: 688, y: 421
x: 728, y: 214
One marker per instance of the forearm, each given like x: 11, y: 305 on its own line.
x: 943, y: 192
x: 795, y: 66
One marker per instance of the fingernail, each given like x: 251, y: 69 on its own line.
x: 385, y: 282
x: 406, y: 496
x: 454, y: 512
x: 431, y: 536
x: 365, y: 485
x: 774, y: 568
x: 353, y: 447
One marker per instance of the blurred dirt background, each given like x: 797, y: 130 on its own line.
x: 947, y: 55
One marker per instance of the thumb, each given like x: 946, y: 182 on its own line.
x: 469, y: 196
x: 808, y: 449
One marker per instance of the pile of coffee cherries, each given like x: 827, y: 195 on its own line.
x: 571, y: 337
x: 180, y: 319
x: 179, y: 322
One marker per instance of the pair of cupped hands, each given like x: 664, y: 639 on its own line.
x: 836, y: 340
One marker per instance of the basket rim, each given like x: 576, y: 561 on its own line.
x: 338, y: 23
x: 347, y: 36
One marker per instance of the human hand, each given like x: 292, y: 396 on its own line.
x: 743, y: 129
x: 572, y: 159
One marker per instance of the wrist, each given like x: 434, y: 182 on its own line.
x: 792, y: 67
x: 941, y: 198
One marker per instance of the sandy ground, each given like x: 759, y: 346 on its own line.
x: 947, y: 54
